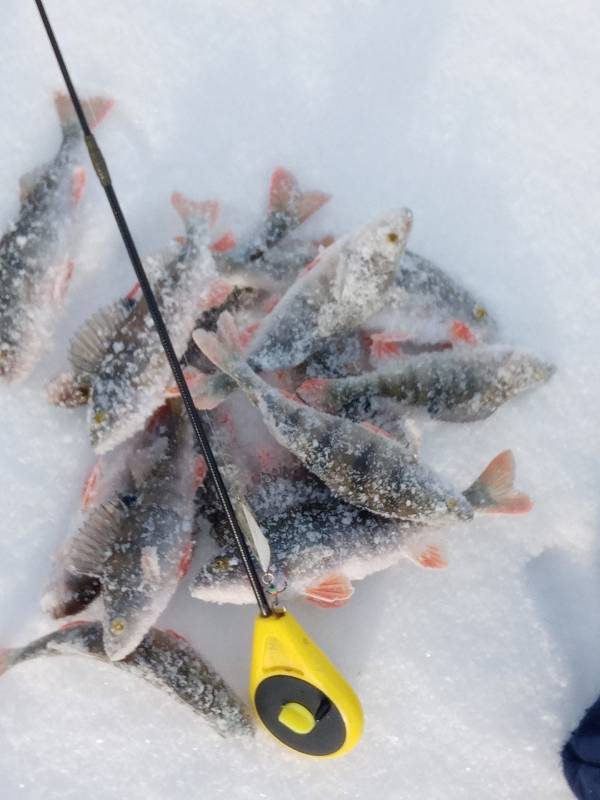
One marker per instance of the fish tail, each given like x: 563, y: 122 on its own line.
x: 285, y: 196
x: 95, y: 109
x: 225, y: 350
x: 194, y: 213
x: 7, y: 659
x: 493, y: 492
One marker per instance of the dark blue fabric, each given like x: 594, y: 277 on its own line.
x: 581, y: 756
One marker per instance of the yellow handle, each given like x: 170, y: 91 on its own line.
x: 310, y: 707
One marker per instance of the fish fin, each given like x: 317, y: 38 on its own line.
x: 200, y: 470
x: 150, y: 565
x: 217, y: 294
x: 461, y: 332
x: 314, y: 391
x: 224, y: 348
x: 254, y: 533
x: 190, y: 209
x: 90, y: 343
x: 325, y: 241
x: 205, y: 399
x: 76, y: 623
x: 66, y: 390
x: 430, y: 557
x: 387, y: 344
x: 493, y: 491
x: 193, y: 378
x: 61, y: 283
x: 224, y: 243
x: 134, y: 293
x: 78, y: 180
x: 310, y: 202
x: 174, y: 635
x: 283, y: 190
x: 333, y: 591
x: 95, y: 109
x: 7, y: 656
x: 89, y: 549
x: 90, y: 487
x: 370, y: 426
x: 28, y: 181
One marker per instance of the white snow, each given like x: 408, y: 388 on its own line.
x: 483, y: 119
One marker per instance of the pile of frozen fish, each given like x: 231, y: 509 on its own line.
x: 312, y: 361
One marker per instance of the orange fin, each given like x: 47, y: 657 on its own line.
x: 283, y: 190
x: 369, y: 426
x: 61, y: 283
x: 387, y: 344
x: 95, y: 109
x: 134, y: 292
x: 175, y: 635
x: 310, y: 202
x: 493, y: 492
x: 333, y: 591
x: 460, y: 332
x: 187, y: 208
x: 432, y: 557
x: 193, y: 378
x: 200, y: 470
x: 326, y: 241
x: 313, y: 391
x: 78, y: 181
x: 186, y: 559
x: 76, y: 623
x: 226, y: 243
x: 89, y: 491
x: 217, y: 294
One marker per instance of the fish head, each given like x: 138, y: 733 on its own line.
x: 103, y: 421
x: 384, y: 240
x: 522, y: 371
x: 125, y: 620
x: 222, y: 580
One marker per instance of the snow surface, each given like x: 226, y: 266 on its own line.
x: 483, y: 118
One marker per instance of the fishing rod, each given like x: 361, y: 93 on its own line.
x: 297, y: 693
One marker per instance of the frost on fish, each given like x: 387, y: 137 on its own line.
x: 314, y: 537
x: 162, y: 658
x: 339, y: 291
x: 119, y: 474
x: 35, y: 266
x: 360, y: 466
x: 424, y: 295
x: 461, y: 385
x: 119, y: 351
x: 139, y: 546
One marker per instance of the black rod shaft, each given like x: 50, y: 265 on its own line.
x: 213, y: 469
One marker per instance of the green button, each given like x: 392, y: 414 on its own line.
x: 297, y: 718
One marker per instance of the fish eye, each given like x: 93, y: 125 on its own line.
x: 221, y: 563
x: 117, y: 626
x: 99, y: 417
x: 393, y: 237
x: 479, y: 312
x: 452, y: 504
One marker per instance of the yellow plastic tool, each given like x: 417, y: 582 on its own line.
x: 297, y: 693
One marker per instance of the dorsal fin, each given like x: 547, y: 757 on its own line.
x: 90, y: 343
x: 89, y: 549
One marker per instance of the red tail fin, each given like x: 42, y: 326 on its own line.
x: 187, y: 208
x: 493, y: 491
x: 95, y: 109
x: 283, y: 189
